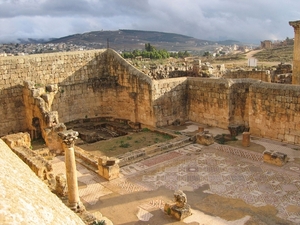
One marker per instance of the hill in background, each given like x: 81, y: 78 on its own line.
x: 128, y: 40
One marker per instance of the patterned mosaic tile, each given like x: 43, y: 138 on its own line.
x: 238, y: 174
x: 93, y: 192
x: 161, y: 158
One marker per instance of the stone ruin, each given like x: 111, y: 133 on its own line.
x: 180, y: 209
x: 102, y: 128
x: 275, y: 158
x: 186, y: 68
x: 204, y: 138
x: 108, y: 167
x: 282, y: 74
x: 61, y: 188
x: 20, y: 144
x: 41, y: 121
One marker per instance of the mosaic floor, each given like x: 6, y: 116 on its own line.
x: 229, y: 172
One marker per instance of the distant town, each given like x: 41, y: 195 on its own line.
x: 17, y: 49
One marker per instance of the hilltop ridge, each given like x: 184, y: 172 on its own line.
x: 135, y: 39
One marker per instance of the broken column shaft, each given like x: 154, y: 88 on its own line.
x: 68, y: 139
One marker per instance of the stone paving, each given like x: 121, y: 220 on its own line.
x: 229, y: 171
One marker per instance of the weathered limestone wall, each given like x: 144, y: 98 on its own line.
x: 208, y: 101
x: 119, y: 90
x: 239, y: 101
x: 274, y: 111
x: 136, y: 103
x: 169, y: 98
x: 102, y: 84
x: 220, y: 103
x: 62, y: 68
x: 257, y: 75
x: 25, y: 199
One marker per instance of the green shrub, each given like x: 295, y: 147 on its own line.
x: 101, y: 222
x: 124, y: 145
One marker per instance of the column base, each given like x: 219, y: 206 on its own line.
x: 77, y: 207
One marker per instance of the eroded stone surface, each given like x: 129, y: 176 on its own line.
x: 25, y: 199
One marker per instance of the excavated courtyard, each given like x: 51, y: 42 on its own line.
x: 224, y: 184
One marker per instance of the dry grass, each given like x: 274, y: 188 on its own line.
x: 280, y: 54
x: 128, y: 143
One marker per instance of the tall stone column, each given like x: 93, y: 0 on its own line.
x: 68, y: 139
x: 296, y: 60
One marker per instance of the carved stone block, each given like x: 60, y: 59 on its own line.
x: 275, y: 158
x: 108, y: 167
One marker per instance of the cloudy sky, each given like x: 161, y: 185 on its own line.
x: 242, y: 20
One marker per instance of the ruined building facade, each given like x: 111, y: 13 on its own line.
x: 64, y: 87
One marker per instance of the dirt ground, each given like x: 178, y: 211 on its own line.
x: 245, y: 62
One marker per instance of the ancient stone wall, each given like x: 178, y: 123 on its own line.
x: 94, y: 84
x: 239, y: 101
x: 220, y: 103
x: 208, y: 101
x: 169, y: 98
x: 25, y: 199
x: 62, y: 68
x: 274, y: 111
x: 117, y: 90
x: 135, y: 103
x: 257, y: 75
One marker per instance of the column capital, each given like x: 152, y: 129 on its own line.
x: 68, y: 137
x: 295, y: 24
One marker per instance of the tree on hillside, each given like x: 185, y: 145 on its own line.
x: 152, y: 53
x: 149, y: 47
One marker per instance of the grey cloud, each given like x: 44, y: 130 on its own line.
x: 234, y: 19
